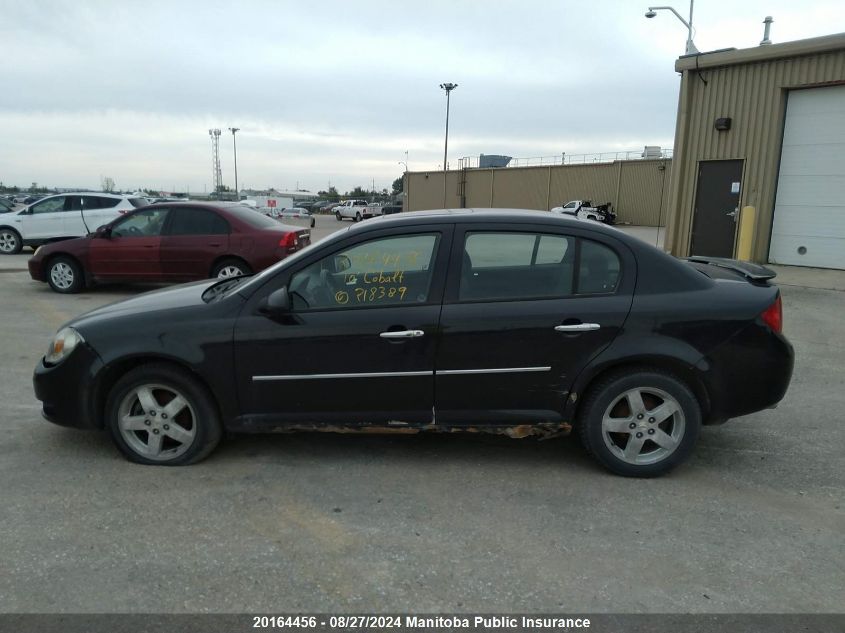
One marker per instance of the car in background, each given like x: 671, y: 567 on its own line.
x: 355, y: 210
x: 507, y: 322
x: 391, y: 208
x: 61, y: 217
x: 173, y: 242
x: 7, y: 205
x: 294, y: 215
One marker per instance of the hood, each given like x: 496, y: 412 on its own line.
x: 174, y: 297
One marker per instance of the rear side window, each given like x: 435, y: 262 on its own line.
x: 523, y: 266
x: 197, y: 222
x: 138, y: 202
x: 99, y: 202
x: 517, y: 266
x: 599, y: 269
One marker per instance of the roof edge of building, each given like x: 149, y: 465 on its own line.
x: 735, y: 56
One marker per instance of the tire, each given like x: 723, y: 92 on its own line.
x: 338, y: 217
x: 10, y: 242
x: 313, y: 222
x: 64, y: 274
x: 358, y: 217
x: 661, y: 442
x: 231, y: 267
x: 148, y: 434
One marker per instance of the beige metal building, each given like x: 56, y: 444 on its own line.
x: 761, y: 134
x: 638, y: 189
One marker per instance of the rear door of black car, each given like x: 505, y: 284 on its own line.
x: 526, y: 308
x: 358, y: 345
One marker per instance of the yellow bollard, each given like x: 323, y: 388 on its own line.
x: 745, y: 237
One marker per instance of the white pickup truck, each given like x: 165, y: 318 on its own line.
x: 356, y: 210
x: 584, y: 210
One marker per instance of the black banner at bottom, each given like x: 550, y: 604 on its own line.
x: 405, y: 623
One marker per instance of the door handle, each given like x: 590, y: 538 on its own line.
x: 578, y: 327
x: 731, y: 214
x: 403, y: 334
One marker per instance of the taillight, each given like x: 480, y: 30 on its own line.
x: 773, y: 315
x: 290, y: 240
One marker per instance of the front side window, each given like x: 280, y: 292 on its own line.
x: 390, y: 271
x: 50, y: 205
x: 147, y: 223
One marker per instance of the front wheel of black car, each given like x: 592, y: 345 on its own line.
x: 640, y: 423
x: 159, y: 414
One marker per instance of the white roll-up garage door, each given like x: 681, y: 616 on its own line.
x: 809, y: 221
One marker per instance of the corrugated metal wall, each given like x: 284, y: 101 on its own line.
x: 754, y: 96
x: 634, y: 187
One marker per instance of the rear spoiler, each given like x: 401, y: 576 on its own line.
x: 754, y: 272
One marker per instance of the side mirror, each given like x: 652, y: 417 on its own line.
x: 277, y: 302
x: 341, y: 263
x: 103, y: 231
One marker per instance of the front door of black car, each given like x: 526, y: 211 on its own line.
x: 358, y: 345
x: 526, y: 313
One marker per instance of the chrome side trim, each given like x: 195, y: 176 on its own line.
x: 376, y: 374
x: 497, y: 370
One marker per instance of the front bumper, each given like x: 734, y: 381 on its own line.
x: 36, y: 269
x: 66, y: 390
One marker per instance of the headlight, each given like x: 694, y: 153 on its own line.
x: 62, y: 345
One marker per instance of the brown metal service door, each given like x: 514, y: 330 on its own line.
x: 716, y: 208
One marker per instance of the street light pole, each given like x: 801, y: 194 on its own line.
x: 690, y: 47
x: 406, y: 187
x: 235, y: 148
x: 448, y: 87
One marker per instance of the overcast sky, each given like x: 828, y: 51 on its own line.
x: 337, y: 91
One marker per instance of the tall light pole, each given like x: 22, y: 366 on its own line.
x: 448, y: 87
x: 407, y: 184
x: 690, y: 48
x: 235, y: 148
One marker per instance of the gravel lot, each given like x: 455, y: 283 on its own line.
x: 312, y: 522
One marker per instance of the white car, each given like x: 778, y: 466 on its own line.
x: 61, y: 217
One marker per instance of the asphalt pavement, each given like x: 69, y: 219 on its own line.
x: 313, y: 522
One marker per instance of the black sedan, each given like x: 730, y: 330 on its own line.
x: 512, y: 322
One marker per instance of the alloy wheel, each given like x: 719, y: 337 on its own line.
x: 643, y: 426
x: 229, y: 271
x: 62, y: 275
x: 8, y: 242
x: 157, y: 422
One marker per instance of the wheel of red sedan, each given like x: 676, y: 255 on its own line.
x: 641, y: 423
x: 10, y: 242
x: 65, y: 275
x: 231, y: 268
x: 158, y: 414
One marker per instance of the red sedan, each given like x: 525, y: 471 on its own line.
x: 169, y: 242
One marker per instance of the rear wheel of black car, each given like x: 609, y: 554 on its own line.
x: 640, y: 422
x: 10, y: 242
x: 159, y: 414
x: 231, y: 268
x: 64, y: 274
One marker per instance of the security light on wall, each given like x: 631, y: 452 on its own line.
x: 723, y: 124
